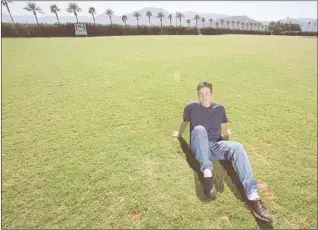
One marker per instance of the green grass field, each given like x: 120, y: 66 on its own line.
x: 87, y: 125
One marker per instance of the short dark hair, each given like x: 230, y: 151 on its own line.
x: 204, y: 84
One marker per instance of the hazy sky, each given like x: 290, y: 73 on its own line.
x: 259, y: 10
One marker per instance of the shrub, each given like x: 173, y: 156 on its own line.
x: 67, y: 30
x: 218, y: 31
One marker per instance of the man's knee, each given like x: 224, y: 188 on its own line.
x: 199, y: 129
x: 238, y: 148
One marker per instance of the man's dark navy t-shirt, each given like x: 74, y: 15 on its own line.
x: 210, y: 118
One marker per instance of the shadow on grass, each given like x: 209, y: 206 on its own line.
x: 223, y: 171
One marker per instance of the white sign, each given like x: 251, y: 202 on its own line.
x: 80, y: 29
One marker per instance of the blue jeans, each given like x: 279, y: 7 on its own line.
x: 205, y: 151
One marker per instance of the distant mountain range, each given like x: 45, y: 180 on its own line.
x: 143, y: 20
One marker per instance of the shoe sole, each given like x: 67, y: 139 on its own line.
x: 261, y: 218
x: 212, y: 195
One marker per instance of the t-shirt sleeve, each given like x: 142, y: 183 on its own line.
x: 186, y: 113
x: 224, y: 117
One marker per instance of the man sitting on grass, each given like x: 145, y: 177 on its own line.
x: 208, y: 120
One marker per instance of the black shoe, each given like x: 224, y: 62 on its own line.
x: 209, y: 187
x: 259, y: 210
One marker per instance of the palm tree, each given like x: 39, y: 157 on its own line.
x: 233, y: 24
x: 228, y: 24
x: 238, y: 24
x: 314, y: 26
x: 242, y: 24
x: 160, y: 15
x: 188, y: 21
x: 124, y: 19
x: 170, y: 18
x: 251, y: 24
x: 196, y: 18
x: 74, y: 8
x: 5, y: 3
x: 110, y: 13
x: 262, y: 27
x: 92, y: 11
x: 217, y: 24
x: 180, y: 15
x: 203, y: 21
x: 308, y: 25
x: 137, y: 15
x: 222, y: 21
x: 149, y: 14
x: 176, y: 19
x: 211, y: 20
x: 31, y: 7
x: 54, y: 9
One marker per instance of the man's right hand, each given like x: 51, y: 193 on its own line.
x: 175, y: 134
x: 179, y: 133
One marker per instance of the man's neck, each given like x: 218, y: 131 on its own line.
x: 207, y: 106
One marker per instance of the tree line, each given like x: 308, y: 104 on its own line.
x: 75, y: 9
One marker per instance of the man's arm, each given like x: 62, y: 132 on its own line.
x: 185, y: 121
x: 225, y: 131
x: 225, y: 127
x: 182, y: 128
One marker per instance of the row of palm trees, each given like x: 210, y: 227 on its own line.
x: 308, y: 24
x: 75, y: 9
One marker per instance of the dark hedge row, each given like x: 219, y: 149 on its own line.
x: 216, y: 31
x: 67, y: 30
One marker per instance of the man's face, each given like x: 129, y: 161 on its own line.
x: 205, y: 96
